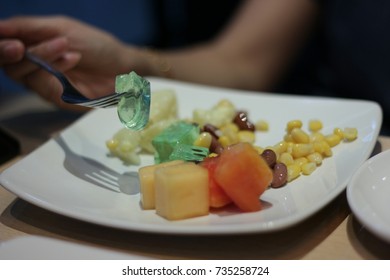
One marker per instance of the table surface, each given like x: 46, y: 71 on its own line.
x: 331, y: 234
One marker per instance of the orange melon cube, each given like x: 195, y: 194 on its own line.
x: 147, y: 180
x: 182, y: 191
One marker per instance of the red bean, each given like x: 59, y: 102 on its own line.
x: 215, y: 146
x: 269, y: 156
x: 279, y: 175
x: 242, y: 121
x: 212, y: 130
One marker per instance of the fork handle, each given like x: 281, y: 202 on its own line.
x: 44, y: 65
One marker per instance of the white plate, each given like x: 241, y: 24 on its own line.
x: 368, y: 195
x: 44, y: 179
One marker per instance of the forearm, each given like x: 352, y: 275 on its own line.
x: 251, y: 53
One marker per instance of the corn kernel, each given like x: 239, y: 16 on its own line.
x: 290, y: 146
x: 293, y: 172
x: 286, y: 158
x: 293, y: 124
x: 230, y: 130
x: 308, y: 168
x: 288, y: 138
x: 333, y: 139
x: 213, y: 155
x: 224, y: 141
x: 315, y: 125
x: 315, y: 157
x: 204, y: 140
x: 231, y: 127
x: 112, y: 144
x: 262, y: 125
x: 246, y: 136
x: 338, y: 131
x: 320, y: 146
x: 302, y: 150
x: 301, y: 161
x: 316, y: 136
x: 323, y: 148
x: 280, y: 147
x: 299, y: 136
x: 327, y: 151
x: 350, y: 134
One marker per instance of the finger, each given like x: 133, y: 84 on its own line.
x: 67, y: 62
x: 30, y: 29
x: 48, y: 51
x: 11, y: 51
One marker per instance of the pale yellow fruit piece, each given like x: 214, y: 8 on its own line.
x: 163, y: 105
x: 124, y: 145
x: 220, y: 114
x: 182, y: 191
x: 151, y: 131
x: 147, y: 181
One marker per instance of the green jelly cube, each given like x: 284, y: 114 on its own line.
x: 189, y: 153
x: 180, y: 133
x: 131, y: 83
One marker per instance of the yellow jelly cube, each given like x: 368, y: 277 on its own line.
x: 182, y: 191
x: 147, y: 180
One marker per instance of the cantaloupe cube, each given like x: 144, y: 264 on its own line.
x: 182, y: 191
x: 146, y: 178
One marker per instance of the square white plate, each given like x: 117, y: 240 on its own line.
x: 45, y: 179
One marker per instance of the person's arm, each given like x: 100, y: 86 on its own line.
x: 253, y: 50
x: 251, y: 53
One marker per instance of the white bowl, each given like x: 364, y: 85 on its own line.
x: 368, y: 195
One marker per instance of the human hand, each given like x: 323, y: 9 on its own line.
x: 89, y: 57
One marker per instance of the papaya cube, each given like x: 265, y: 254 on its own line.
x: 244, y: 176
x: 147, y: 179
x: 182, y: 191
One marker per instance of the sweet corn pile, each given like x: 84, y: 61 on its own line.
x: 302, y: 152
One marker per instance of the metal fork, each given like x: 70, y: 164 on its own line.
x: 70, y: 94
